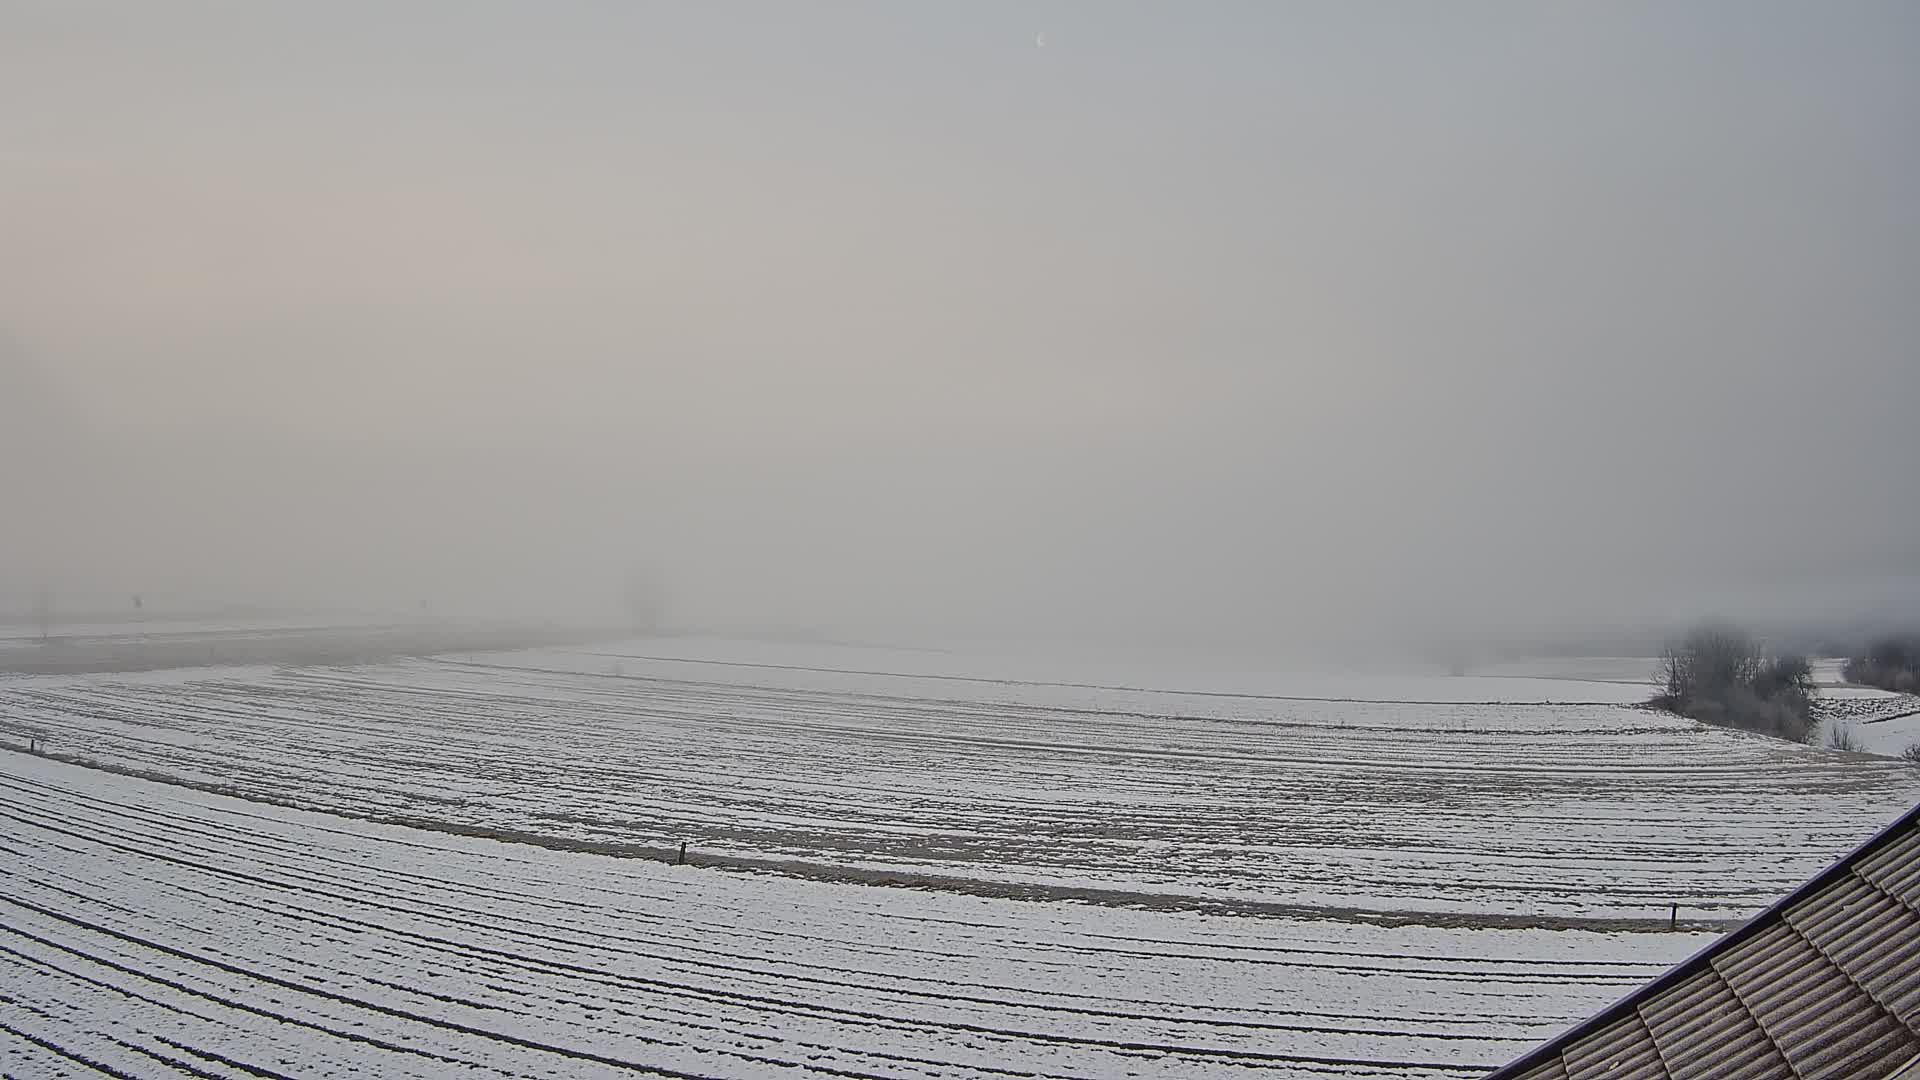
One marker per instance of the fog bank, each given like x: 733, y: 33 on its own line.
x: 1237, y: 322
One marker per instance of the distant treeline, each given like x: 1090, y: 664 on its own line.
x: 1891, y: 663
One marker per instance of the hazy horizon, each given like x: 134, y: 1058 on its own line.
x: 1230, y: 321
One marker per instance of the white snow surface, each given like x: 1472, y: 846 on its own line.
x: 150, y: 930
x: 1892, y: 731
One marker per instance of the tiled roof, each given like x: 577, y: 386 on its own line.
x: 1824, y: 985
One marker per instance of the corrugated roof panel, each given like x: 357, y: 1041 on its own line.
x: 1747, y: 1061
x: 1858, y: 1051
x: 1895, y: 867
x: 1870, y: 935
x: 1851, y: 921
x: 1776, y: 974
x: 1815, y: 1014
x: 1824, y: 1023
x: 1623, y: 1050
x: 1704, y: 1033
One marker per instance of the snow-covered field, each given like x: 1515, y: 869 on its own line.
x: 1885, y: 726
x: 1879, y: 721
x: 899, y: 763
x: 158, y: 931
x: 1124, y: 866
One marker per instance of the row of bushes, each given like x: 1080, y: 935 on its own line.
x: 1891, y: 663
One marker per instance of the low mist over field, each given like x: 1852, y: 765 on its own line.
x: 1246, y: 322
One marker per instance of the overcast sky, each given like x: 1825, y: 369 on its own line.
x: 1237, y: 319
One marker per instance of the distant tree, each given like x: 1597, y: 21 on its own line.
x: 1706, y: 664
x: 1782, y: 674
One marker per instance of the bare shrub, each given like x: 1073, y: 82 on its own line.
x: 1911, y: 755
x: 1842, y: 737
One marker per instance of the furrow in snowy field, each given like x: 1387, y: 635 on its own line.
x: 201, y: 929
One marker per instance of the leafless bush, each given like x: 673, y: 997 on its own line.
x: 1911, y: 755
x: 1842, y: 737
